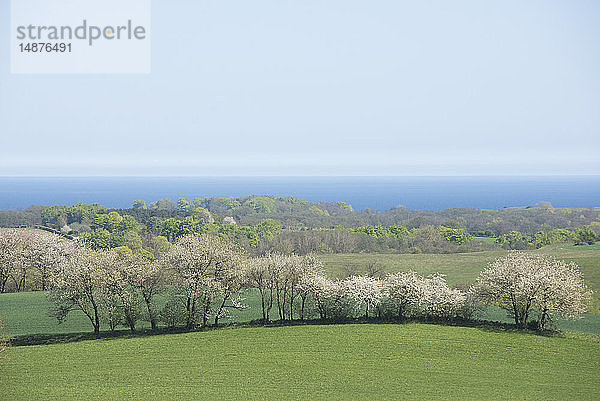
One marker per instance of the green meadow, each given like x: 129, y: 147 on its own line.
x: 353, y: 361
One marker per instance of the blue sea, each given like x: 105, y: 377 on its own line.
x: 380, y: 193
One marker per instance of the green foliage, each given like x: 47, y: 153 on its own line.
x: 183, y: 203
x: 518, y: 240
x: 380, y: 231
x: 57, y: 216
x: 163, y: 204
x: 172, y: 229
x: 113, y: 230
x: 139, y: 204
x: 585, y: 235
x: 456, y: 235
x: 513, y: 240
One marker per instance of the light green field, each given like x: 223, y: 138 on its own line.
x: 487, y: 240
x: 461, y: 269
x: 26, y: 314
x: 355, y: 361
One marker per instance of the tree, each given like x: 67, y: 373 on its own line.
x: 439, y: 300
x: 147, y: 276
x: 278, y: 272
x: 585, y: 235
x: 77, y: 284
x: 159, y: 246
x: 163, y: 204
x: 45, y: 251
x: 323, y: 291
x: 365, y: 291
x: 259, y: 276
x: 7, y: 249
x: 403, y: 292
x: 311, y: 268
x: 25, y: 253
x: 372, y: 269
x: 522, y: 283
x: 331, y: 298
x: 183, y: 204
x: 200, y: 262
x: 139, y: 204
x: 13, y: 263
x: 121, y: 298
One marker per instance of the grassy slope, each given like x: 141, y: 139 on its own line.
x: 310, y: 362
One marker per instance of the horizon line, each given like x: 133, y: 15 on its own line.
x: 293, y: 175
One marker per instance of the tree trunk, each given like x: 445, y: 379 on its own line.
x: 43, y: 278
x: 130, y: 321
x: 544, y: 318
x: 262, y: 299
x: 150, y: 312
x: 218, y: 314
x: 205, y: 314
x: 188, y: 305
x: 302, y: 308
x: 96, y: 322
x: 515, y: 312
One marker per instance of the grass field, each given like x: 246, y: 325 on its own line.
x: 461, y: 269
x: 356, y: 361
x: 487, y: 240
x: 26, y: 314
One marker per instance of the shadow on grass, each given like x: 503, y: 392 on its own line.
x: 484, y: 325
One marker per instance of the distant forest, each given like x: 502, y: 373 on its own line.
x: 263, y: 223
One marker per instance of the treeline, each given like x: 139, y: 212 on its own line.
x: 101, y: 228
x: 580, y: 236
x: 201, y: 277
x: 294, y: 213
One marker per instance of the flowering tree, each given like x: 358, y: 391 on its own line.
x: 11, y: 255
x: 23, y: 252
x: 311, y: 268
x: 521, y: 283
x: 439, y: 300
x: 258, y: 275
x: 278, y: 267
x: 202, y: 264
x: 77, y: 284
x: 45, y: 251
x: 228, y: 279
x: 403, y: 291
x: 147, y: 277
x: 323, y: 291
x: 364, y: 291
x: 120, y: 298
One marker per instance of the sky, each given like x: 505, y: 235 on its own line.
x: 324, y: 87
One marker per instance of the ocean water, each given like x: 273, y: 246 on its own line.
x: 380, y: 193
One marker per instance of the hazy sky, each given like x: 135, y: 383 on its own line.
x: 323, y: 87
